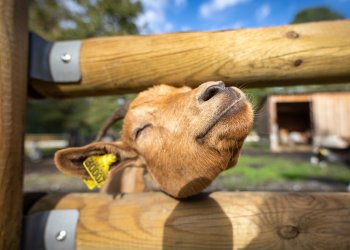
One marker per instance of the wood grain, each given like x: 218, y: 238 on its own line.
x: 13, y: 92
x: 220, y: 220
x: 276, y: 56
x: 331, y: 114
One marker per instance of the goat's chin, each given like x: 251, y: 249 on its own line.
x: 193, y: 187
x: 182, y: 188
x: 189, y: 179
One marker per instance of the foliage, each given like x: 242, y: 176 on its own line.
x: 316, y: 14
x: 77, y: 19
x: 254, y: 171
x: 49, y: 115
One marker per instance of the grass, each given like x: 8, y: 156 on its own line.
x: 255, y: 171
x: 52, y: 181
x: 257, y: 146
x: 259, y: 170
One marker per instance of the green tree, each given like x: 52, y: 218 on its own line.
x: 77, y: 19
x: 316, y: 14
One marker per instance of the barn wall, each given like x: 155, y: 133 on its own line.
x: 331, y: 114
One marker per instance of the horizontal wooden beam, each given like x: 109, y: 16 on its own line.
x: 311, y: 53
x: 220, y: 220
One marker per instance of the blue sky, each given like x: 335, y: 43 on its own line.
x: 164, y: 16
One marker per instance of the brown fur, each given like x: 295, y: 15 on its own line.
x: 185, y: 140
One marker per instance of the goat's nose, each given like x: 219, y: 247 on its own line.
x: 211, y: 91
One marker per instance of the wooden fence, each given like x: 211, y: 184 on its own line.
x: 13, y: 96
x: 224, y: 220
x: 276, y: 56
x: 297, y: 54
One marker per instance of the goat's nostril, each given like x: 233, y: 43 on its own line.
x: 211, y: 91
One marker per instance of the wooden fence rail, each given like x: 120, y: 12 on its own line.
x: 220, y: 220
x: 13, y: 96
x: 276, y: 56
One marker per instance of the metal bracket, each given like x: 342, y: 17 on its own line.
x: 54, y: 62
x: 50, y: 230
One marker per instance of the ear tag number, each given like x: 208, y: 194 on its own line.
x: 98, y: 167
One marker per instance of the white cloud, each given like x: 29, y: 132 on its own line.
x: 180, y: 3
x: 185, y: 28
x: 234, y: 26
x: 153, y: 19
x: 207, y: 9
x: 237, y: 25
x: 168, y: 27
x: 263, y: 12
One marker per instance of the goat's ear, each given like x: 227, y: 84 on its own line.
x: 70, y: 160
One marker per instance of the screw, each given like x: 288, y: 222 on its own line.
x: 66, y: 57
x: 61, y: 235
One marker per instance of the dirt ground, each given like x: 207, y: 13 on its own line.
x: 43, y: 176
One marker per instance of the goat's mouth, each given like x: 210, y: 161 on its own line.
x: 230, y: 110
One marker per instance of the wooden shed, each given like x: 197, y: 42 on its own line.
x: 303, y: 122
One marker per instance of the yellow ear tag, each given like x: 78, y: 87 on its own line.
x: 98, y: 167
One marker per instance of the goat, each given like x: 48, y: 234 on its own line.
x: 182, y: 137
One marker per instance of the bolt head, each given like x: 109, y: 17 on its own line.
x: 61, y: 235
x: 66, y: 57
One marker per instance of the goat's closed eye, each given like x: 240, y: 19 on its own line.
x: 139, y: 130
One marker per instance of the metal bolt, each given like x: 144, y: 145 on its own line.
x: 66, y: 57
x: 61, y: 235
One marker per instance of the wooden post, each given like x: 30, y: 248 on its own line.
x: 13, y: 94
x: 220, y: 220
x: 309, y: 53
